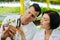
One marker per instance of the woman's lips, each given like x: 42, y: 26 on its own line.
x: 41, y: 24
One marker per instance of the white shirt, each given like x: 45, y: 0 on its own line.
x: 28, y: 29
x: 41, y: 34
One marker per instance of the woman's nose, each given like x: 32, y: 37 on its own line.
x: 41, y: 21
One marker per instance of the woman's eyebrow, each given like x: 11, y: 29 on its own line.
x: 46, y: 18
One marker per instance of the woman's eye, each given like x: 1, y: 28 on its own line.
x: 45, y: 20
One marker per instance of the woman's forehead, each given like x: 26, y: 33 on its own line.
x: 46, y: 16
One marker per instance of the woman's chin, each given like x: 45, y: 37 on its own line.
x: 41, y: 26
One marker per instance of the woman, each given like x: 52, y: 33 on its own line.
x: 49, y: 22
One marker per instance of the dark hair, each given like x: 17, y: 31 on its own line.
x: 37, y: 8
x: 54, y: 18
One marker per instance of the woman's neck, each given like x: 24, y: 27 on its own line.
x: 48, y: 31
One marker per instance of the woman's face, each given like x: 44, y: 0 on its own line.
x: 45, y: 21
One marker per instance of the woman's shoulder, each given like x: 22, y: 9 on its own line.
x: 40, y: 32
x: 56, y: 32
